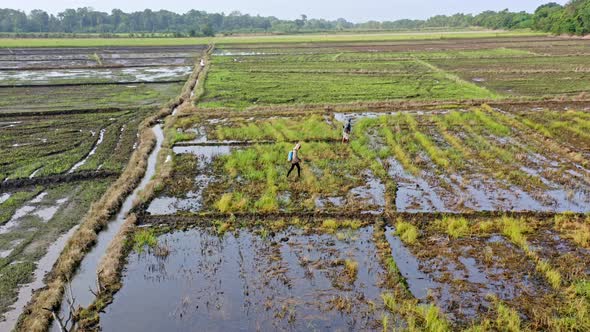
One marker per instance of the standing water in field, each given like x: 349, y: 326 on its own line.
x: 85, y: 278
x: 293, y: 280
x: 193, y: 201
x: 25, y: 293
x: 90, y: 154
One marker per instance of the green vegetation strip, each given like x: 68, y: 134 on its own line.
x: 104, y: 42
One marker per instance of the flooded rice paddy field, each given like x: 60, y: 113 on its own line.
x: 95, y: 75
x: 32, y: 220
x: 41, y: 80
x: 25, y: 59
x: 480, y: 159
x: 91, y: 66
x: 66, y: 133
x: 445, y: 218
x: 40, y: 146
x: 339, y: 274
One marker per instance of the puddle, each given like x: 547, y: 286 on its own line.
x: 91, y: 153
x: 4, y: 197
x: 35, y: 207
x: 562, y: 253
x: 158, y: 73
x: 560, y: 199
x: 372, y: 194
x: 458, y: 275
x: 25, y: 293
x: 476, y: 267
x: 18, y: 214
x: 522, y: 201
x: 13, y: 244
x: 413, y: 194
x: 39, y: 198
x: 201, y: 134
x: 475, y: 196
x: 321, y: 202
x: 35, y: 172
x: 419, y: 283
x: 85, y: 277
x: 292, y: 281
x: 47, y: 213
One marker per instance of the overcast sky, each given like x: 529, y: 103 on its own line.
x: 353, y: 10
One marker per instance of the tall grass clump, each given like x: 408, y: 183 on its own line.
x: 143, y: 238
x: 577, y: 230
x: 224, y: 203
x: 407, y: 232
x: 437, y: 155
x: 351, y: 267
x: 552, y: 275
x: 456, y: 227
x: 418, y: 317
x: 515, y: 230
x: 398, y: 151
x: 508, y: 319
x: 332, y: 225
x: 267, y: 203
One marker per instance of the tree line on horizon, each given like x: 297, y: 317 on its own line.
x: 573, y: 18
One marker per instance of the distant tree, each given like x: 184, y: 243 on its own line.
x: 207, y: 30
x: 573, y: 18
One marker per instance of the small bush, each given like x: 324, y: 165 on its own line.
x: 224, y: 203
x: 515, y: 230
x: 508, y: 319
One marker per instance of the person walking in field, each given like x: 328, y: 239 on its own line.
x: 294, y: 159
x: 347, y: 130
x: 202, y: 63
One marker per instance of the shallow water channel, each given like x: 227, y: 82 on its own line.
x: 85, y: 278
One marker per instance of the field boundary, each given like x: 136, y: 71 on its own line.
x: 57, y: 179
x: 386, y: 107
x: 8, y: 114
x: 391, y: 216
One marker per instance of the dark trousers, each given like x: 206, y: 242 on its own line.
x: 298, y: 169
